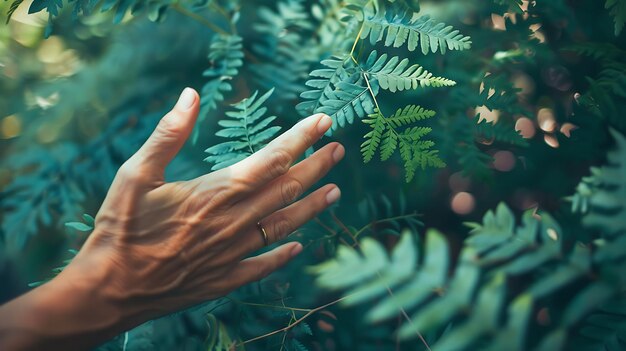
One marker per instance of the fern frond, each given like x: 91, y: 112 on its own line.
x: 598, y: 51
x: 248, y: 131
x: 605, y: 328
x: 617, y: 9
x: 283, y: 49
x: 346, y: 103
x: 414, y: 151
x: 396, y: 75
x: 226, y: 56
x: 475, y: 296
x: 601, y: 196
x: 373, y: 138
x: 409, y: 114
x: 323, y: 81
x: 399, y: 29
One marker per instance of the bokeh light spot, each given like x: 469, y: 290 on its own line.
x: 551, y: 140
x: 567, y: 128
x: 10, y: 127
x: 462, y: 203
x: 553, y: 234
x: 504, y: 161
x: 526, y: 127
x: 488, y: 115
x: 546, y: 120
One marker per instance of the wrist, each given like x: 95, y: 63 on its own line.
x: 77, y: 310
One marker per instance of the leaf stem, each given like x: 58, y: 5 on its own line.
x: 391, y: 219
x: 296, y: 322
x: 356, y: 40
x: 283, y: 307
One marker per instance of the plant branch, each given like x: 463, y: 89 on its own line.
x: 298, y: 321
x: 391, y: 219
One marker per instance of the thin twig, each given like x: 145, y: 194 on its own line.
x: 268, y: 306
x: 391, y: 219
x: 298, y: 321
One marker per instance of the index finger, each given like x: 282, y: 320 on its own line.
x: 279, y: 155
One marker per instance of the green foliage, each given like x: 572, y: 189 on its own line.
x: 415, y: 151
x: 226, y: 56
x: 605, y: 329
x: 617, y: 9
x: 219, y: 338
x: 86, y: 226
x: 512, y: 284
x: 56, y: 270
x: 285, y: 58
x: 347, y: 90
x: 248, y: 130
x: 394, y: 75
x: 470, y: 303
x: 398, y: 29
x: 600, y: 197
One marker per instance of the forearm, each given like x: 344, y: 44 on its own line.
x: 71, y: 312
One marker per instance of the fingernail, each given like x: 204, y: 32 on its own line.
x: 324, y: 123
x: 333, y: 195
x: 186, y: 99
x: 297, y: 248
x: 338, y: 153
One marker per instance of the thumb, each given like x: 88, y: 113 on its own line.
x: 171, y: 133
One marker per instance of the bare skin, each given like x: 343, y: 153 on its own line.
x: 159, y: 247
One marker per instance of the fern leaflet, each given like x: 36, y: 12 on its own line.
x: 396, y: 75
x: 384, y: 135
x: 399, y: 29
x: 248, y: 130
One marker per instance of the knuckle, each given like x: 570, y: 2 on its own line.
x: 129, y: 172
x: 168, y: 127
x: 281, y: 228
x: 279, y: 163
x: 262, y: 271
x: 290, y: 190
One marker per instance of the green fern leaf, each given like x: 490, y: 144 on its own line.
x: 346, y: 103
x: 373, y: 138
x: 396, y: 75
x: 248, y: 130
x: 389, y: 144
x: 409, y: 114
x: 283, y: 50
x: 226, y: 55
x: 399, y: 29
x: 323, y: 81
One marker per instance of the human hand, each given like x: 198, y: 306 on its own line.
x: 158, y: 247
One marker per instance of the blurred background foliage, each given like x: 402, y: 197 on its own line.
x: 533, y: 127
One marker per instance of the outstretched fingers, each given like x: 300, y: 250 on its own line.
x: 170, y: 134
x: 279, y: 155
x: 288, y: 188
x: 258, y: 267
x: 285, y: 221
